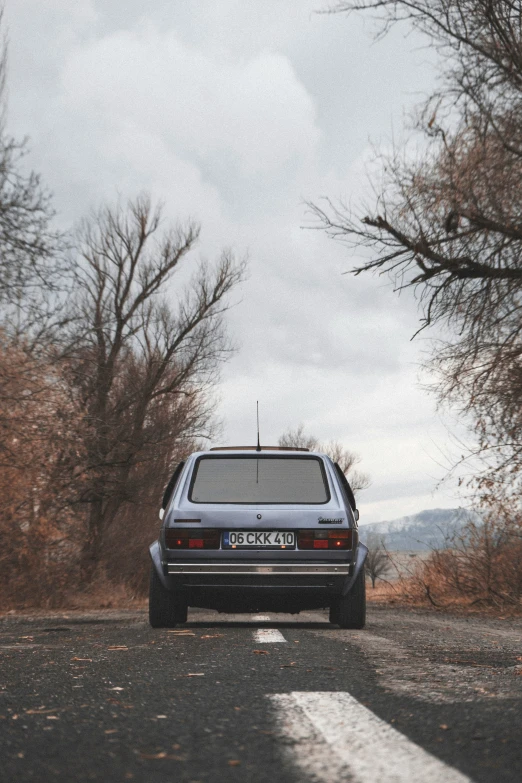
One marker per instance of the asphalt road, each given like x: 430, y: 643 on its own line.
x: 240, y: 698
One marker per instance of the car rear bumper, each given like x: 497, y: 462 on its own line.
x: 258, y: 586
x: 252, y: 585
x: 266, y: 569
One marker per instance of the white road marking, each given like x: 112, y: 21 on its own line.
x: 335, y: 738
x: 268, y: 636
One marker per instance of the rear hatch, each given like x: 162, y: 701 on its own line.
x: 261, y: 505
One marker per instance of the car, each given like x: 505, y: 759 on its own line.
x: 251, y: 529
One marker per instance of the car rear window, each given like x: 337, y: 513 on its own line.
x: 255, y: 479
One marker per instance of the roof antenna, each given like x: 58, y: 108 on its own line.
x: 258, y: 447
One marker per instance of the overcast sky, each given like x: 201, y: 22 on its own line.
x: 235, y: 112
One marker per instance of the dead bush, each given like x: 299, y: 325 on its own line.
x: 481, y: 567
x: 39, y: 456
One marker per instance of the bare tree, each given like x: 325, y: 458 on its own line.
x: 448, y: 222
x: 377, y: 563
x: 32, y: 269
x: 346, y: 459
x: 298, y: 439
x: 38, y: 419
x: 172, y: 428
x: 134, y: 349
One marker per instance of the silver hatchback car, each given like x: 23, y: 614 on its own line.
x: 249, y: 530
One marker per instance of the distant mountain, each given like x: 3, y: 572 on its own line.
x: 420, y: 532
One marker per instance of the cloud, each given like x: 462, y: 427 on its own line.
x: 235, y: 112
x: 255, y: 113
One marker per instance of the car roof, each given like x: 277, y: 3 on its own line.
x: 267, y: 450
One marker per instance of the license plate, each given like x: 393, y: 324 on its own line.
x: 255, y: 539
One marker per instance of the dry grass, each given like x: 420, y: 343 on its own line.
x: 415, y: 592
x: 403, y: 594
x: 480, y: 570
x: 102, y: 594
x: 383, y: 592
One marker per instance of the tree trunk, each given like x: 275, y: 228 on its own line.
x: 92, y: 546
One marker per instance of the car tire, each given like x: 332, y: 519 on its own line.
x: 334, y: 613
x: 349, y: 611
x: 180, y: 611
x: 166, y: 609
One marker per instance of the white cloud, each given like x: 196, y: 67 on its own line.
x: 256, y: 113
x: 234, y: 111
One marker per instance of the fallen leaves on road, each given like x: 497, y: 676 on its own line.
x: 234, y: 762
x: 182, y: 633
x: 118, y: 703
x: 211, y: 635
x: 162, y: 755
x: 444, y: 726
x: 53, y: 717
x: 287, y: 665
x: 196, y: 674
x: 116, y: 647
x: 81, y: 659
x: 110, y: 731
x: 117, y: 688
x: 260, y: 652
x: 39, y: 712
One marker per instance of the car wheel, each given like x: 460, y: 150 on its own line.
x: 166, y: 609
x: 180, y: 611
x: 349, y: 611
x: 334, y: 613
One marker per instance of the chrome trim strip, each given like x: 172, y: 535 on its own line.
x: 258, y: 568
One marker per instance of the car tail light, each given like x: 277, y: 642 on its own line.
x: 320, y: 543
x: 192, y: 539
x: 326, y: 539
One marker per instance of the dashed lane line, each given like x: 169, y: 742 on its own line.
x: 268, y: 636
x: 336, y: 738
